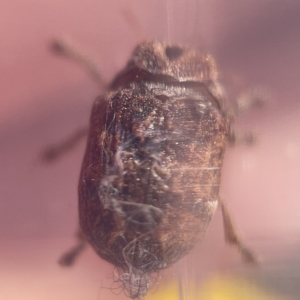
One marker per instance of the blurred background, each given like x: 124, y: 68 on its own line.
x: 44, y: 98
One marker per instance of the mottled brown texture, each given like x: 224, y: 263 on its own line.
x: 151, y: 173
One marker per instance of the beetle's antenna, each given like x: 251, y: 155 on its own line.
x: 168, y: 20
x: 133, y: 22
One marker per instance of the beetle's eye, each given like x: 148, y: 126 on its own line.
x: 173, y: 52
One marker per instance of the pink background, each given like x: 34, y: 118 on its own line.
x: 44, y: 98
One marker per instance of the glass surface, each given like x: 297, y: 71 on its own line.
x: 44, y: 98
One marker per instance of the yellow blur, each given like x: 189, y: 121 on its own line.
x: 217, y: 288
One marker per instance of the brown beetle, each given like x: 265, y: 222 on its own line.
x: 150, y: 177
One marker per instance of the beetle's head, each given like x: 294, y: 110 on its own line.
x: 180, y: 62
x: 161, y: 62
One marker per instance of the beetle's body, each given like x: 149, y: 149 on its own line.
x: 151, y: 173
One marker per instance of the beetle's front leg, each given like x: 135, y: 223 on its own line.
x: 52, y: 153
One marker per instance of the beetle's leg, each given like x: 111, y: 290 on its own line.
x: 65, y: 47
x: 232, y: 238
x: 69, y: 257
x: 254, y: 98
x: 235, y: 138
x: 54, y: 152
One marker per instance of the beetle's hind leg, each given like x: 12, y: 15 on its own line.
x: 232, y: 237
x: 68, y: 258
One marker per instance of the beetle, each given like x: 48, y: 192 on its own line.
x: 150, y: 178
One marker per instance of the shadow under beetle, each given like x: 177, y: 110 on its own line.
x: 150, y: 177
